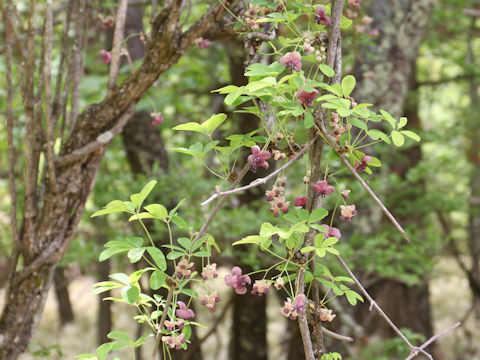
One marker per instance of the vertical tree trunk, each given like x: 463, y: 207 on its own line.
x: 391, y: 63
x: 65, y: 311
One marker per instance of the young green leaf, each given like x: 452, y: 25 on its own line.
x: 157, y: 279
x: 348, y: 84
x: 398, y: 138
x: 157, y: 256
x: 327, y: 70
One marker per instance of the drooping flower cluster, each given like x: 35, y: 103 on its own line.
x: 322, y: 188
x: 260, y: 287
x: 183, y: 312
x: 277, y: 201
x: 306, y: 98
x: 348, y: 211
x: 292, y: 60
x: 202, y: 43
x: 254, y: 14
x: 174, y: 341
x: 258, y: 158
x: 157, y: 118
x: 320, y: 16
x: 331, y: 231
x: 326, y: 315
x: 291, y: 309
x: 210, y: 300
x: 170, y: 325
x: 184, y: 268
x: 107, y: 56
x: 238, y: 281
x: 364, y: 163
x: 338, y: 128
x: 209, y: 271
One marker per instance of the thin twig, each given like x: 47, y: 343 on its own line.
x: 260, y: 181
x: 262, y: 36
x: 331, y: 142
x: 416, y: 351
x: 47, y: 79
x: 161, y: 325
x: 336, y: 336
x: 117, y: 43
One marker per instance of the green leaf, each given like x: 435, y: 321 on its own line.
x: 411, y: 135
x: 352, y: 297
x: 103, y: 350
x: 140, y: 216
x: 185, y: 243
x: 189, y: 292
x: 86, y: 357
x: 174, y: 255
x: 157, y: 256
x: 119, y: 335
x: 307, y: 249
x: 135, y: 254
x: 252, y: 239
x: 158, y: 211
x: 329, y: 241
x: 375, y: 134
x: 109, y: 252
x: 302, y: 214
x: 348, y: 84
x: 157, y: 279
x: 190, y: 126
x: 327, y: 70
x: 130, y: 294
x: 390, y: 119
x: 318, y: 227
x: 402, y: 122
x: 180, y: 222
x: 398, y: 138
x: 309, y: 120
x: 230, y: 98
x: 213, y: 122
x: 137, y: 199
x: 317, y: 214
x: 358, y: 123
x: 267, y: 230
x: 113, y: 207
x: 121, y: 277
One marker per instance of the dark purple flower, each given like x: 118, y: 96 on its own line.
x: 361, y: 167
x: 107, y: 56
x: 292, y: 60
x: 258, y: 158
x: 202, y: 43
x: 307, y: 97
x: 238, y: 281
x: 332, y: 231
x: 183, y: 312
x: 320, y: 16
x: 300, y: 201
x: 322, y: 188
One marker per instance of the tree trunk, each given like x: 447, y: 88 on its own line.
x: 390, y: 64
x: 65, y: 311
x: 44, y: 238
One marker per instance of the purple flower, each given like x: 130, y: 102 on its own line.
x: 354, y: 4
x: 202, y: 43
x: 107, y: 56
x: 300, y: 201
x: 157, y: 118
x: 361, y: 167
x: 238, y: 281
x: 322, y: 188
x: 260, y: 287
x: 183, y: 312
x: 320, y: 16
x: 292, y: 60
x: 307, y: 97
x: 347, y: 212
x: 332, y: 231
x: 293, y: 309
x: 258, y: 158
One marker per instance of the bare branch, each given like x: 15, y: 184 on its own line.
x: 419, y: 349
x: 260, y: 181
x: 117, y: 43
x: 336, y: 336
x: 47, y: 79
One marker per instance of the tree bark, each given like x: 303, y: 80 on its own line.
x: 46, y: 238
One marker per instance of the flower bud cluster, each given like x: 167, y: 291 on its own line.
x: 210, y: 300
x: 291, y: 309
x: 276, y: 200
